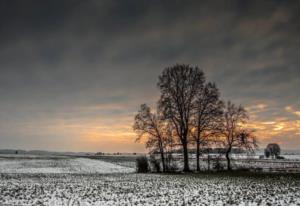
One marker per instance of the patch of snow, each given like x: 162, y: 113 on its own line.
x: 67, y: 165
x: 84, y: 165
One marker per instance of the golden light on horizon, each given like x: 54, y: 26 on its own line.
x: 282, y: 128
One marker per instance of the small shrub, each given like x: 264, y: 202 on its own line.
x: 142, y: 165
x: 267, y: 153
x: 155, y: 164
x: 280, y: 157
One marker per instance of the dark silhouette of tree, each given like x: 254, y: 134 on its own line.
x: 190, y: 112
x: 207, y: 117
x: 148, y: 124
x: 142, y: 165
x: 234, y: 135
x: 273, y: 150
x: 179, y: 85
x: 267, y: 153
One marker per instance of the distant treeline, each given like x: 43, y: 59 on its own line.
x: 40, y: 152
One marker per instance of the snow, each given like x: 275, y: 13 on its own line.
x: 146, y: 189
x: 63, y: 165
x: 291, y: 156
x: 81, y: 165
x: 74, y: 181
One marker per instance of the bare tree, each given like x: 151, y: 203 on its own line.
x: 273, y: 150
x: 149, y: 124
x: 179, y: 85
x: 234, y: 134
x: 208, y: 116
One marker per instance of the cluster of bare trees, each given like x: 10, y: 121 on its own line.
x: 190, y: 114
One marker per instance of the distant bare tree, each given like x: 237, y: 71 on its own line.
x: 273, y: 150
x: 207, y: 118
x: 234, y: 135
x: 149, y: 124
x: 179, y: 85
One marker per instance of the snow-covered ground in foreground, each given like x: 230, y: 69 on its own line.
x: 60, y: 165
x: 57, y: 181
x: 146, y: 189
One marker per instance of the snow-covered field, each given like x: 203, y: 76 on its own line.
x: 146, y: 189
x: 60, y: 165
x: 83, y: 181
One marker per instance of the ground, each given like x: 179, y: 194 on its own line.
x: 60, y: 165
x: 81, y: 181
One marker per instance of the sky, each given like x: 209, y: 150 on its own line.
x: 73, y: 73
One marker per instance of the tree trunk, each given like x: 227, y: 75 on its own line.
x: 208, y: 161
x: 163, y: 161
x: 228, y: 160
x: 198, y: 155
x: 161, y: 149
x: 186, y: 167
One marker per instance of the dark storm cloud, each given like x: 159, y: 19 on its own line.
x: 72, y: 60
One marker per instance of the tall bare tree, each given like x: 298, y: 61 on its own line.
x: 235, y: 136
x: 208, y: 116
x: 149, y: 124
x: 179, y: 85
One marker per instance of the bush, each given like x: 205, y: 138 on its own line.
x: 280, y: 157
x: 142, y: 165
x: 155, y: 164
x: 267, y: 153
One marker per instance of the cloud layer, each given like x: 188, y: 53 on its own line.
x: 73, y: 73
